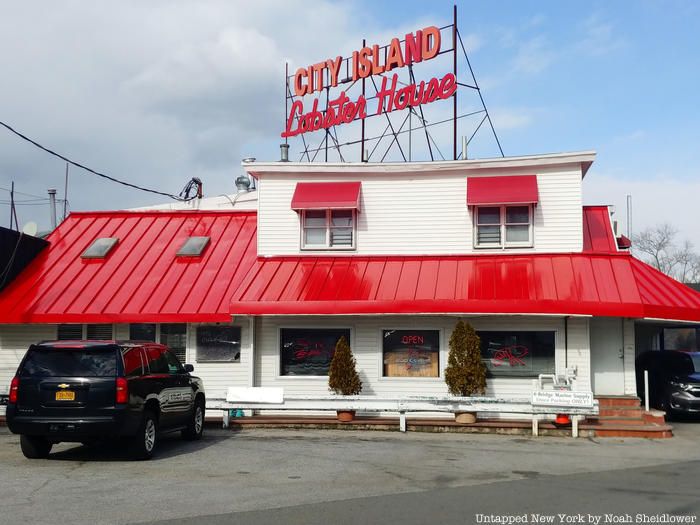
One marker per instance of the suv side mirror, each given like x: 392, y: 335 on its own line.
x: 189, y: 368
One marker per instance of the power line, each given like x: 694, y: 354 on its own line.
x: 183, y: 196
x: 23, y: 193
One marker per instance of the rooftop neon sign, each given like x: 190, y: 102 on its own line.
x: 416, y: 47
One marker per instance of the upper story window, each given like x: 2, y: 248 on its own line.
x: 327, y: 214
x: 503, y: 210
x: 503, y: 226
x: 325, y: 229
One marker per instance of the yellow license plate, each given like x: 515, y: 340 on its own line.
x: 65, y: 395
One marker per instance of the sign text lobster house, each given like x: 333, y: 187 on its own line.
x: 372, y: 60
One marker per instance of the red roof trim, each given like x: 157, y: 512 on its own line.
x: 326, y: 195
x: 508, y: 189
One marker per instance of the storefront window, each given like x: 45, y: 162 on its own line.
x: 174, y: 336
x: 517, y: 354
x: 308, y: 351
x: 219, y: 344
x: 411, y: 353
x: 142, y: 332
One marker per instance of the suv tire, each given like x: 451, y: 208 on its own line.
x: 35, y: 447
x: 195, y: 427
x: 143, y: 444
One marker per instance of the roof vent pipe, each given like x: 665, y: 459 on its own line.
x: 52, y: 205
x: 284, y: 152
x: 365, y: 156
x: 242, y: 184
x: 465, y: 143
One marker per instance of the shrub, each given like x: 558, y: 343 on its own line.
x: 465, y: 374
x: 343, y: 378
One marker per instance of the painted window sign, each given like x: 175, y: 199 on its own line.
x: 411, y: 353
x: 308, y: 351
x: 517, y: 353
x: 219, y: 344
x: 371, y: 60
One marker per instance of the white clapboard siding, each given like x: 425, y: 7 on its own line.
x: 422, y: 214
x: 366, y: 345
x: 629, y: 357
x: 14, y: 342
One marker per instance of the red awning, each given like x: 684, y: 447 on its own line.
x: 511, y: 189
x: 326, y: 195
x: 587, y: 284
x: 142, y: 280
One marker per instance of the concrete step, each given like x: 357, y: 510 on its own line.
x: 618, y: 401
x: 633, y: 431
x: 657, y: 417
x: 614, y: 420
x: 621, y: 411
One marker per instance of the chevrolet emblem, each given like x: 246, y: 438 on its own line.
x: 63, y: 385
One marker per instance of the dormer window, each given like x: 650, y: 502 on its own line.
x: 326, y: 229
x: 327, y: 214
x: 503, y: 208
x: 503, y: 226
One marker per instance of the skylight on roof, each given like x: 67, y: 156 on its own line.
x: 100, y: 247
x: 193, y: 246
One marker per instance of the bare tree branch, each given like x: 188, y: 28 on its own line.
x: 657, y: 247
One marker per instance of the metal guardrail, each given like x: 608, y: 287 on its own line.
x: 411, y: 404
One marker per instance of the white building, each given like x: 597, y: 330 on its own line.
x: 389, y: 255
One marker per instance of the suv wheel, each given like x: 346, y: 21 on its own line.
x: 195, y: 427
x: 143, y: 443
x: 34, y: 447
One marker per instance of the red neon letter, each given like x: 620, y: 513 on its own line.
x: 431, y: 42
x: 299, y: 87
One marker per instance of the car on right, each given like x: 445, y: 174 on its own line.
x: 674, y: 380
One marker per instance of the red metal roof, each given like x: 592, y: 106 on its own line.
x: 566, y: 284
x: 509, y: 189
x: 598, y: 235
x: 141, y: 279
x: 326, y: 195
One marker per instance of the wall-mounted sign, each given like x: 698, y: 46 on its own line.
x: 416, y: 47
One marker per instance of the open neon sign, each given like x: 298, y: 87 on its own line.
x: 417, y: 47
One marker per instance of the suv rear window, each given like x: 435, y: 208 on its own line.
x: 65, y: 362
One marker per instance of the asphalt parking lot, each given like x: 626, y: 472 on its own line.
x: 293, y: 476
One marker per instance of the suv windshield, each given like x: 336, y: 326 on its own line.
x: 50, y: 362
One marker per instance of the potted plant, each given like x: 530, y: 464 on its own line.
x: 465, y: 374
x: 343, y: 378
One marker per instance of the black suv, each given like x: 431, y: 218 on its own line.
x: 84, y: 391
x: 674, y: 380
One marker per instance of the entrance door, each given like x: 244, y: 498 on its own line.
x: 607, y: 366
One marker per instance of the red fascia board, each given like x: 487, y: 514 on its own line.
x: 326, y: 195
x: 506, y: 189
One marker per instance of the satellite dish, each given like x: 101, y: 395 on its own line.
x: 30, y: 228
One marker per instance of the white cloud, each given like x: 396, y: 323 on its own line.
x: 599, y: 37
x: 534, y: 56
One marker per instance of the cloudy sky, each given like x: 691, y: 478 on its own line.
x: 158, y: 92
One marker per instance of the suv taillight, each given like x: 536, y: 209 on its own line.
x: 14, y: 389
x: 122, y: 390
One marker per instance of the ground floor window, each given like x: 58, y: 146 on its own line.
x: 172, y: 335
x: 411, y: 353
x: 142, y: 332
x: 308, y: 351
x: 98, y: 332
x: 517, y: 353
x: 218, y: 344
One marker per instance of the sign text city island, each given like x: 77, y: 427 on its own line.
x: 417, y: 47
